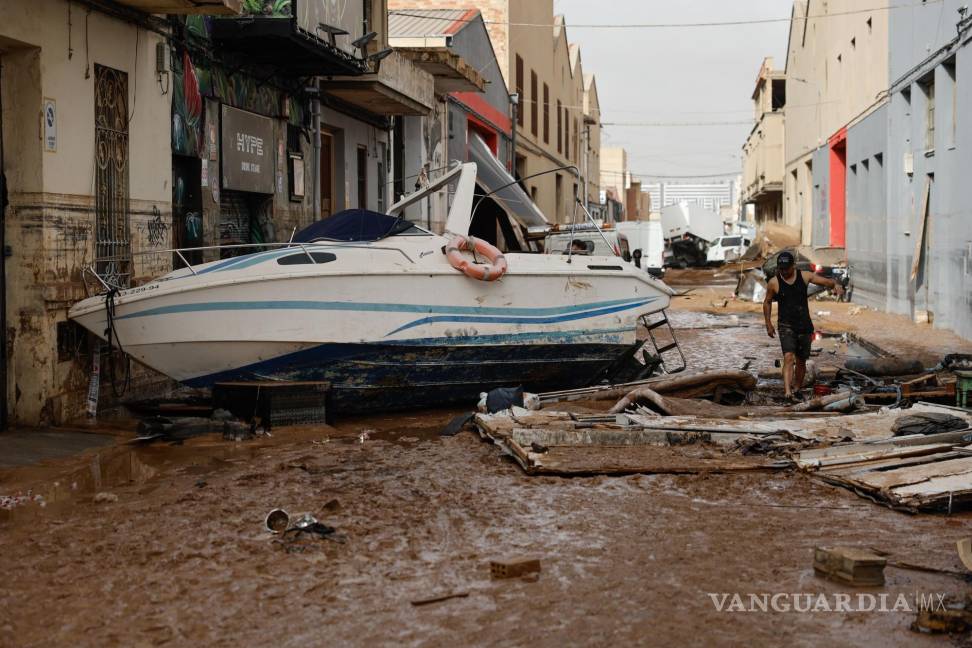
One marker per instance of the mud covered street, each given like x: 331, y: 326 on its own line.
x: 174, y: 550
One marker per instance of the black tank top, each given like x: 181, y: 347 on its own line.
x: 794, y: 311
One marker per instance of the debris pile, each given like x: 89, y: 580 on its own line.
x: 906, y: 455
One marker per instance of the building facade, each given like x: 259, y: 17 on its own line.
x: 909, y: 222
x: 471, y: 121
x: 545, y: 74
x: 614, y: 176
x: 836, y: 74
x: 763, y: 166
x: 127, y: 134
x: 711, y: 195
x: 897, y: 169
x: 79, y: 95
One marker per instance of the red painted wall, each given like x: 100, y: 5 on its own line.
x: 838, y: 188
x: 487, y: 132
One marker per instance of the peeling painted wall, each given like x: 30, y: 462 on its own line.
x: 49, y: 223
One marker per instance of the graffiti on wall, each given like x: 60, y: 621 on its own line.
x: 187, y: 109
x: 193, y: 80
x: 156, y: 229
x: 270, y: 8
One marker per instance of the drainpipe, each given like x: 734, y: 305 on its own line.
x: 587, y: 156
x: 315, y: 95
x: 514, y: 106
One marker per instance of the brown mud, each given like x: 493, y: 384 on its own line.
x: 177, y: 554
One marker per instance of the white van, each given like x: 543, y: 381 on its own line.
x: 727, y: 248
x: 645, y: 237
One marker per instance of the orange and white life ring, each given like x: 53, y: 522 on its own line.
x: 481, y: 271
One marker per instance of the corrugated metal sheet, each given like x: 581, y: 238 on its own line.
x: 404, y: 23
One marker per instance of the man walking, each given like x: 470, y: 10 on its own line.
x: 789, y: 288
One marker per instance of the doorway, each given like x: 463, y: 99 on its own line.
x: 924, y: 299
x: 327, y: 174
x: 187, y: 223
x: 3, y: 265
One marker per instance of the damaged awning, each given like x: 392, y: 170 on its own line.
x: 492, y: 175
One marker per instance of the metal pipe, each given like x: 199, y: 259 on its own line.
x: 587, y: 156
x: 316, y: 125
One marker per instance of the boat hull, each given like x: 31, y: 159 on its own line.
x: 384, y: 377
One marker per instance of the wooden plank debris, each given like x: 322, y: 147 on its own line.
x: 910, y: 473
x: 438, y: 599
x: 555, y: 443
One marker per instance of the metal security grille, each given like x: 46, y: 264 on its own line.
x: 113, y: 250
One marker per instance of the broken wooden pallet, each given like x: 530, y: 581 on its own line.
x: 929, y: 476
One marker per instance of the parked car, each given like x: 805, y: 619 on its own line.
x: 727, y: 248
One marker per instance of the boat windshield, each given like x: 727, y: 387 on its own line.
x: 358, y: 225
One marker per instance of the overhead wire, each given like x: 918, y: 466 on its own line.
x: 671, y: 25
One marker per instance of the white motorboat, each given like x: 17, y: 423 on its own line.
x: 388, y: 322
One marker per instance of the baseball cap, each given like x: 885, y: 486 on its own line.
x: 785, y: 259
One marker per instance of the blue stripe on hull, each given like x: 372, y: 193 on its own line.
x: 371, y: 377
x: 377, y: 307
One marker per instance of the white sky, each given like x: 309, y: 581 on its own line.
x: 677, y: 75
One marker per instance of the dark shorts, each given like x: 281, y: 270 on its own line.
x: 793, y: 342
